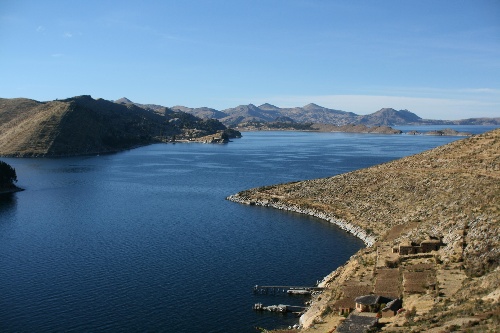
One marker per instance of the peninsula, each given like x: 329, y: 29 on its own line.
x: 431, y: 225
x: 82, y: 125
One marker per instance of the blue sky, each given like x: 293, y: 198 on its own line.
x: 439, y: 59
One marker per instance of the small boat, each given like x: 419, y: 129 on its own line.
x: 299, y: 292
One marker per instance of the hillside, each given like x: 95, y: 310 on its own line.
x: 452, y: 194
x: 82, y: 125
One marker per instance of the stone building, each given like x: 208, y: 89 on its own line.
x: 426, y: 246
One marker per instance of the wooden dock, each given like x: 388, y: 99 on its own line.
x: 299, y: 290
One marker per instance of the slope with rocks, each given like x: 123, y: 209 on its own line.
x: 450, y: 193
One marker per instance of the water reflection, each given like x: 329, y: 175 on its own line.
x: 8, y: 202
x: 76, y: 169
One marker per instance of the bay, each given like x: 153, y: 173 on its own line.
x: 144, y: 240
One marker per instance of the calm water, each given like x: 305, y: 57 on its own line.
x: 144, y: 241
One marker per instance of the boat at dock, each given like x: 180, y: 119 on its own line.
x: 296, y: 290
x: 299, y: 292
x: 280, y: 308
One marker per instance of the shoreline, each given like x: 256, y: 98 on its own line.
x: 357, y: 231
x: 316, y: 306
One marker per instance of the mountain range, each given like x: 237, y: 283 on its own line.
x: 241, y: 115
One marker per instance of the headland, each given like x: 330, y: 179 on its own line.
x: 432, y: 229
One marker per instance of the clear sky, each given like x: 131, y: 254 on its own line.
x: 438, y: 58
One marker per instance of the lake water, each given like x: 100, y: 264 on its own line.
x: 144, y: 240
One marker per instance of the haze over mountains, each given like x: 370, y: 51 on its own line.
x: 313, y: 113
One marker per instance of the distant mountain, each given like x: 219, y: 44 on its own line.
x: 268, y: 107
x: 152, y: 107
x: 389, y: 117
x: 248, y: 113
x: 310, y: 113
x: 313, y: 114
x: 82, y: 125
x: 124, y: 100
x: 203, y: 112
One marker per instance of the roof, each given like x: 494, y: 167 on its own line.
x: 357, y: 324
x: 367, y: 299
x: 373, y: 299
x: 431, y: 241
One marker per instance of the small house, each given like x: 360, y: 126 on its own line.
x: 425, y: 246
x: 344, y: 306
x: 429, y: 245
x: 370, y: 303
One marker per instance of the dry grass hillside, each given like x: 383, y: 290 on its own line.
x: 28, y: 126
x: 451, y: 192
x: 82, y: 125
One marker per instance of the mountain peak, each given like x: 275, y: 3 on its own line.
x: 312, y: 106
x: 390, y: 117
x: 124, y: 100
x: 267, y: 106
x: 387, y: 110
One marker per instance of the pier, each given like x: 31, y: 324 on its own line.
x: 294, y: 290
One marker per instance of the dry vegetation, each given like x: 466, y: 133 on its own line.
x: 452, y: 192
x: 81, y: 126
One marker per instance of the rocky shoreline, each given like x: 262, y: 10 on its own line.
x: 362, y: 234
x: 316, y: 307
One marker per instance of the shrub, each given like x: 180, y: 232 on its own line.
x: 7, y: 175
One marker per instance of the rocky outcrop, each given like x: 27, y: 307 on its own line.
x: 448, y: 132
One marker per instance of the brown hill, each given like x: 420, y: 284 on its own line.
x: 450, y: 193
x: 82, y: 125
